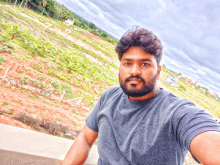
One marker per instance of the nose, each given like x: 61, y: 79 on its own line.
x: 135, y: 70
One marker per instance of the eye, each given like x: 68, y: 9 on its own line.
x: 127, y: 64
x: 144, y: 64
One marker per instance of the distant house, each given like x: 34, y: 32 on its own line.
x: 188, y: 80
x: 172, y: 80
x: 196, y: 83
x: 216, y: 96
x: 203, y: 90
x: 69, y: 22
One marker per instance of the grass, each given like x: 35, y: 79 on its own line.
x: 4, y: 103
x: 34, y: 96
x: 59, y: 119
x: 45, y: 126
x: 2, y: 59
x: 47, y: 102
x: 74, y: 123
x: 79, y: 114
x: 186, y: 91
x: 71, y: 60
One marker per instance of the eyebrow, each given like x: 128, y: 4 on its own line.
x: 145, y: 59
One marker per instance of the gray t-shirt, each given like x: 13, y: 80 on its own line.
x: 155, y: 131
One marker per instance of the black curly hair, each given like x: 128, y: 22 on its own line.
x: 143, y: 38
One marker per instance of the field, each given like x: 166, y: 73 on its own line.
x: 50, y: 79
x: 185, y: 90
x: 48, y: 74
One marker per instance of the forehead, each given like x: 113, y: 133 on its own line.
x: 137, y: 53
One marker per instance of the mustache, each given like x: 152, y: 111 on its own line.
x: 137, y: 77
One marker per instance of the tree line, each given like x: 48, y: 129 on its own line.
x: 53, y: 9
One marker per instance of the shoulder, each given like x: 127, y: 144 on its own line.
x: 170, y: 100
x: 178, y: 107
x: 174, y: 101
x: 111, y: 92
x: 188, y: 114
x: 114, y: 90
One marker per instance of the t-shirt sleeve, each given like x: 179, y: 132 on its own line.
x: 92, y: 119
x: 189, y: 121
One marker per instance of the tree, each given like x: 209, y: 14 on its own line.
x: 26, y: 4
x: 21, y: 3
x: 93, y: 31
x: 50, y: 7
x: 15, y: 3
x: 92, y: 26
x: 104, y: 34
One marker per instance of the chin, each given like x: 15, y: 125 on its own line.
x: 137, y: 93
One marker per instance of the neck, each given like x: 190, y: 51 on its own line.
x: 155, y: 91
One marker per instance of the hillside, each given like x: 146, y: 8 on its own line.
x: 51, y: 74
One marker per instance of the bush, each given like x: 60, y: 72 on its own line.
x: 182, y: 88
x: 2, y: 59
x: 52, y: 127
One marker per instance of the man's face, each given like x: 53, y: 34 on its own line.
x: 138, y: 72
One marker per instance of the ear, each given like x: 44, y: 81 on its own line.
x: 158, y: 71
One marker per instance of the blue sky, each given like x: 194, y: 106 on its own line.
x: 189, y: 30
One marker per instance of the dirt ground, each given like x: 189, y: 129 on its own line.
x: 18, y: 100
x: 14, y: 99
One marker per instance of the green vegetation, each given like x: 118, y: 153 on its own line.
x: 50, y: 8
x: 74, y: 123
x: 46, y: 126
x: 47, y: 102
x: 4, y: 103
x: 192, y: 93
x: 64, y: 55
x: 59, y: 119
x: 34, y: 96
x: 79, y: 114
x: 2, y: 59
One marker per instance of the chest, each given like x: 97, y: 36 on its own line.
x: 139, y: 132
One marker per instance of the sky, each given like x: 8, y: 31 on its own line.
x: 188, y: 29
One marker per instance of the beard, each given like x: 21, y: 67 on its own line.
x: 146, y: 88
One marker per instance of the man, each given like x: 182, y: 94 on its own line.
x: 138, y: 122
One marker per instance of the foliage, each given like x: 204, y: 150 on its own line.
x: 195, y: 95
x: 92, y: 26
x: 69, y: 61
x: 4, y: 103
x: 182, y: 88
x: 60, y: 88
x: 50, y: 126
x: 2, y: 59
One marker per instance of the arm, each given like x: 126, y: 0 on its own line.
x: 79, y: 151
x: 206, y: 147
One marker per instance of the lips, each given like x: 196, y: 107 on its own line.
x: 134, y: 80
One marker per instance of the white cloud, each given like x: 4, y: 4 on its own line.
x: 201, y: 72
x: 190, y: 29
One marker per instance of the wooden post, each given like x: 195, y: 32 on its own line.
x: 6, y: 73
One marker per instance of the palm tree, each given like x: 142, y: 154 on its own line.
x: 21, y: 3
x: 15, y: 3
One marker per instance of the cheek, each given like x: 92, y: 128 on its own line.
x: 122, y: 74
x: 149, y: 75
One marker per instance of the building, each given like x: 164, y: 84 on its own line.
x: 69, y: 22
x: 172, y: 80
x: 188, y: 80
